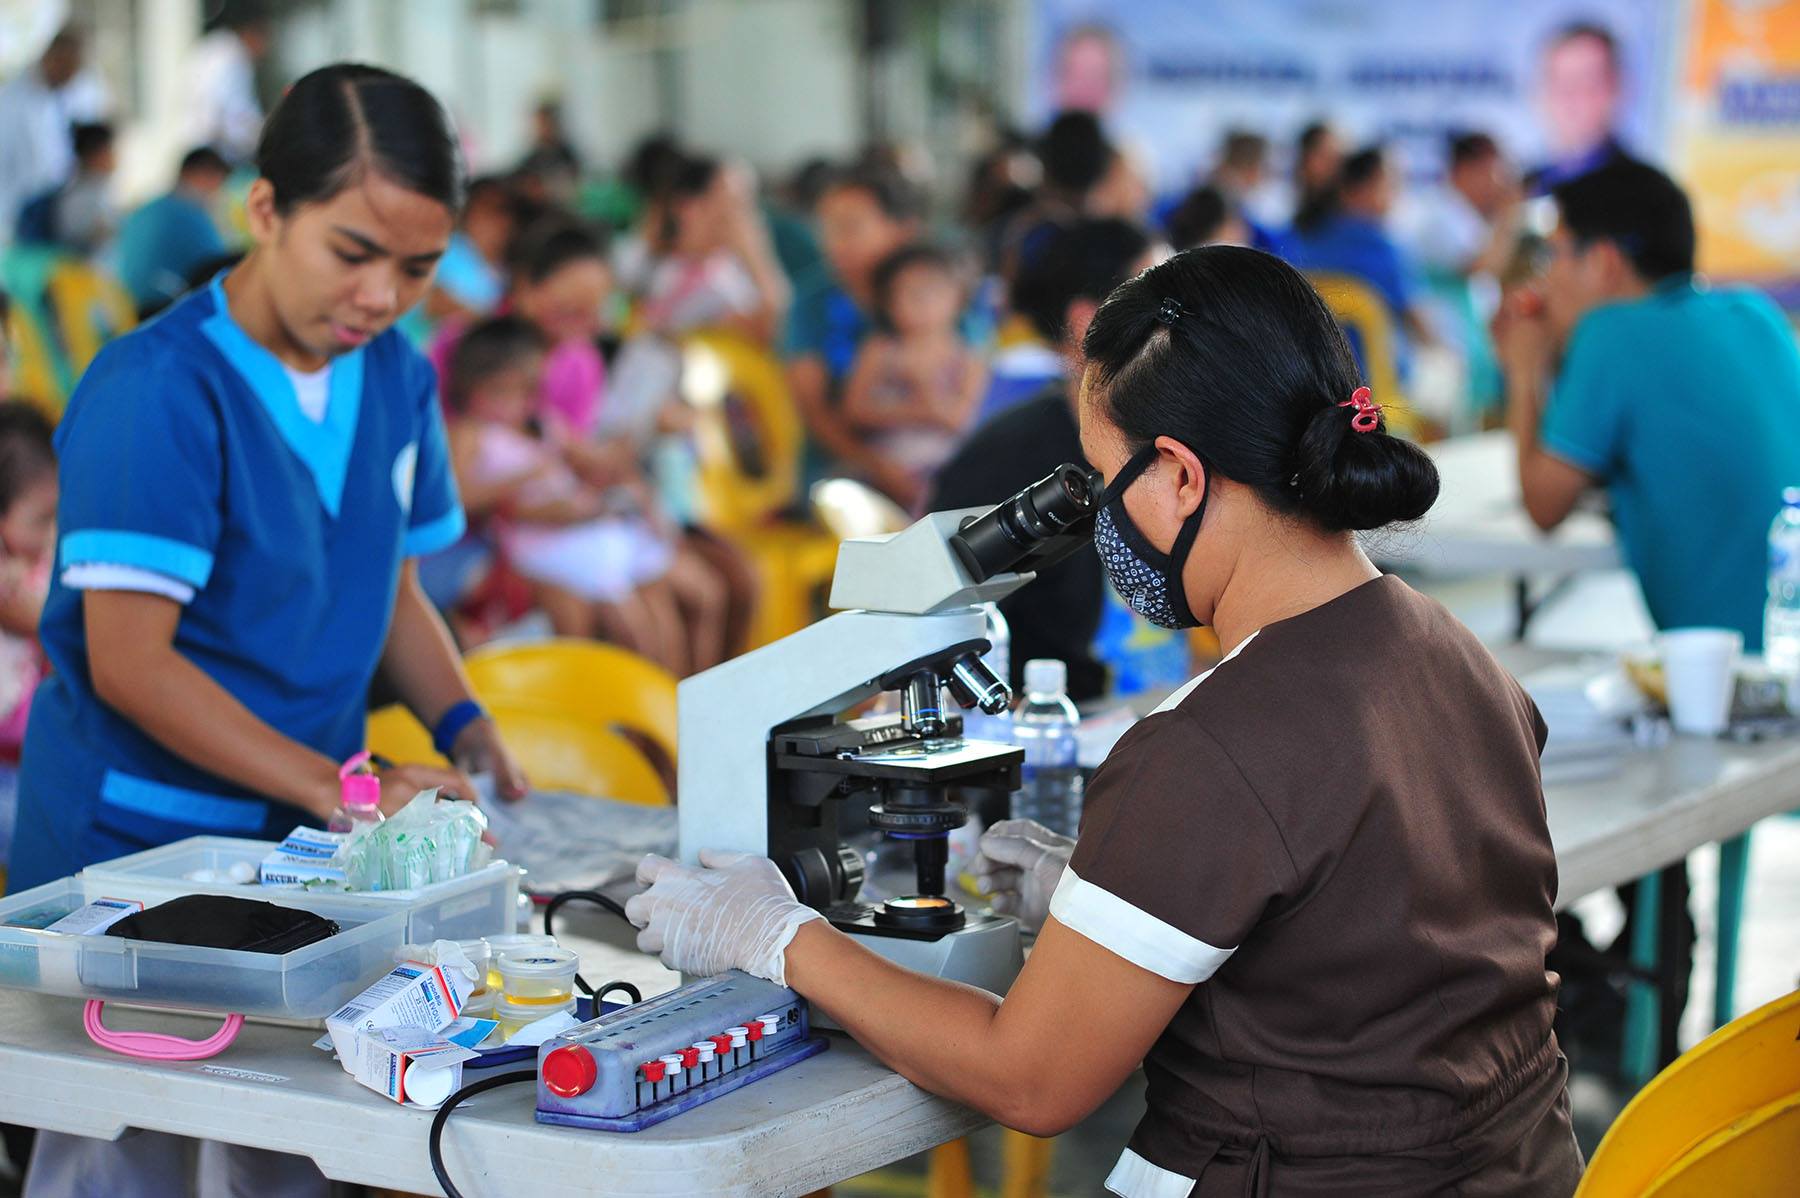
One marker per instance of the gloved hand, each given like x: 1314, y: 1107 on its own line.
x: 1020, y: 864
x: 732, y: 911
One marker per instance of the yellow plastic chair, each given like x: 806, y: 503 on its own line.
x: 749, y: 441
x: 594, y: 683
x: 1356, y: 306
x: 1723, y: 1119
x: 90, y: 308
x: 34, y: 376
x: 558, y: 752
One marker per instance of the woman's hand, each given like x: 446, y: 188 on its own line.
x: 732, y: 911
x: 400, y: 784
x: 1020, y: 864
x: 479, y: 750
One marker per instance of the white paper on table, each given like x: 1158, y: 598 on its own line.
x: 534, y: 1034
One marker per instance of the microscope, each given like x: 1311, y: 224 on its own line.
x: 771, y: 753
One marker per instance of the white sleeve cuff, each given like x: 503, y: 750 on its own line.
x: 109, y: 576
x: 1136, y: 935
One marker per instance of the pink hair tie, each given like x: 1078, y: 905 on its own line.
x: 153, y: 1046
x: 1368, y: 412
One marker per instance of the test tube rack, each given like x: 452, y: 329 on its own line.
x: 637, y: 1066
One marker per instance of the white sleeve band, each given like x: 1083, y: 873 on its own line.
x: 1136, y: 935
x: 1135, y: 1177
x: 107, y: 576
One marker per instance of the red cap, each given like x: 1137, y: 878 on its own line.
x: 569, y: 1071
x: 652, y: 1071
x: 723, y: 1042
x: 690, y: 1057
x: 754, y: 1029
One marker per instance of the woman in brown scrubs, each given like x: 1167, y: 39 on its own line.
x: 1312, y: 892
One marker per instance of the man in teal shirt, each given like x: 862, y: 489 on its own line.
x: 165, y: 241
x: 1681, y: 399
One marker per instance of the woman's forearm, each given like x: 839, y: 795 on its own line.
x: 419, y: 658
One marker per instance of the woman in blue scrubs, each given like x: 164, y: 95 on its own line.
x: 245, y: 482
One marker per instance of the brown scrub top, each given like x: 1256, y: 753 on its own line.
x: 1339, y: 834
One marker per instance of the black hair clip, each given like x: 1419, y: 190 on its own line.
x: 1170, y: 312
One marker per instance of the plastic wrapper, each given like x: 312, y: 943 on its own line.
x: 431, y: 839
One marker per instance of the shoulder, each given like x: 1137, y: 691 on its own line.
x: 392, y: 355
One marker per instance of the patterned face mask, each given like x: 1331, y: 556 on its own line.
x: 1148, y: 580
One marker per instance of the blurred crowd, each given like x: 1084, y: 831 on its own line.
x: 929, y: 343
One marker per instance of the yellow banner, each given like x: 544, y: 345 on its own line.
x: 1737, y: 138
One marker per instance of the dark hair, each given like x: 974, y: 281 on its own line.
x: 1201, y: 212
x: 1241, y: 147
x: 897, y: 199
x: 1361, y: 166
x: 90, y: 139
x: 552, y: 245
x: 342, y: 121
x: 1575, y: 31
x: 484, y: 188
x: 653, y: 161
x: 26, y: 450
x: 696, y: 174
x: 1075, y: 152
x: 1637, y: 208
x: 203, y: 158
x: 1464, y: 148
x: 888, y: 272
x: 1311, y: 135
x: 1084, y: 260
x: 1250, y: 376
x: 487, y: 348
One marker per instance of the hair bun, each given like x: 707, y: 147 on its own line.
x: 1351, y: 480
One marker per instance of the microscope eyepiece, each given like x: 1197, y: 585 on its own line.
x: 1040, y: 524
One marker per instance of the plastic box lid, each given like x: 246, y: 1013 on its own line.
x: 308, y: 983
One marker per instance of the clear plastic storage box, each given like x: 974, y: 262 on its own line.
x: 308, y: 983
x: 482, y: 903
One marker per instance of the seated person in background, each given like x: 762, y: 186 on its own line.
x: 1682, y: 400
x: 864, y: 215
x: 1318, y: 161
x: 561, y: 283
x: 1464, y: 234
x: 1342, y: 230
x: 471, y: 276
x: 1206, y: 217
x: 916, y: 383
x: 162, y: 242
x: 712, y: 265
x: 27, y: 538
x: 1077, y: 158
x: 1058, y: 615
x: 592, y: 570
x: 78, y: 216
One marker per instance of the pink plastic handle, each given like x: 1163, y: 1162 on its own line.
x: 154, y: 1046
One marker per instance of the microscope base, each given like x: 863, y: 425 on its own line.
x: 985, y: 952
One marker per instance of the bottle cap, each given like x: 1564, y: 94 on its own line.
x: 707, y: 1050
x: 358, y: 789
x: 673, y: 1061
x: 740, y: 1036
x: 427, y: 1087
x: 653, y: 1070
x: 1046, y: 676
x: 569, y: 1071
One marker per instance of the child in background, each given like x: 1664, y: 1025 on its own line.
x: 27, y: 543
x: 916, y: 383
x: 594, y: 571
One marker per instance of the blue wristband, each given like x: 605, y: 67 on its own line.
x: 450, y: 725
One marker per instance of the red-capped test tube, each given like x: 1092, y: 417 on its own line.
x: 753, y: 1031
x: 722, y: 1048
x: 690, y: 1061
x: 770, y: 1024
x: 740, y: 1037
x: 652, y: 1072
x: 705, y: 1050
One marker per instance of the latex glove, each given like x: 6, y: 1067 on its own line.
x: 732, y: 911
x: 1021, y: 862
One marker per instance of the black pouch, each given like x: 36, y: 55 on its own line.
x: 221, y: 921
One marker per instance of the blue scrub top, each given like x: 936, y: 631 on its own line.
x: 184, y: 452
x: 1686, y: 405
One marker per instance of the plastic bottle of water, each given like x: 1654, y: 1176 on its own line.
x: 1781, y: 615
x: 1044, y: 726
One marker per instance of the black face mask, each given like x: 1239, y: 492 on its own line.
x: 1148, y: 580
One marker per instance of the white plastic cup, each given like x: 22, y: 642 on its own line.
x: 1700, y: 665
